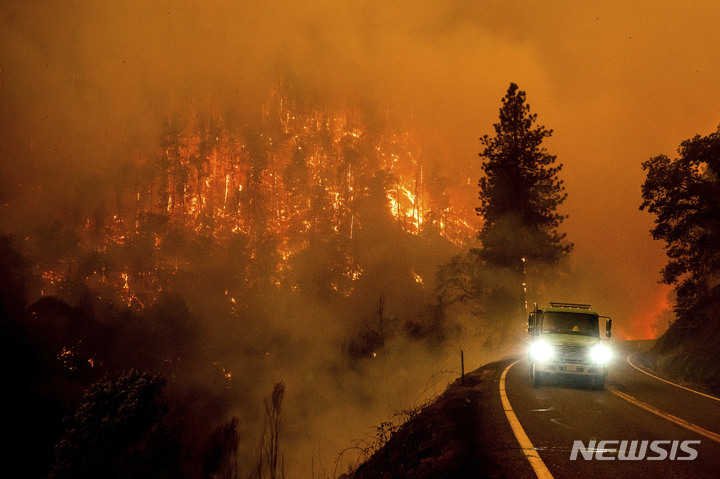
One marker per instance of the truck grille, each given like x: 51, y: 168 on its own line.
x: 572, y: 353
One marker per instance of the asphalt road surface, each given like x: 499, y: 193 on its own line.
x: 633, y: 407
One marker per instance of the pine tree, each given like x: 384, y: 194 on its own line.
x: 520, y: 191
x: 519, y: 194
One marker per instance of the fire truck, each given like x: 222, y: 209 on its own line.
x: 566, y: 341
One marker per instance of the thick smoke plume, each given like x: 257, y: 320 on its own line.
x: 83, y: 84
x: 86, y: 93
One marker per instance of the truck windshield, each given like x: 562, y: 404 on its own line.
x: 570, y: 323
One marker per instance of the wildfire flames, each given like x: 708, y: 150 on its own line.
x: 299, y: 175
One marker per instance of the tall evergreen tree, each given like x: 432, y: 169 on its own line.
x: 519, y: 195
x: 520, y: 191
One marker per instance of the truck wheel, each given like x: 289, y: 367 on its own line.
x: 598, y: 382
x: 537, y: 377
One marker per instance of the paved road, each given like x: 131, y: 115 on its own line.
x: 633, y: 406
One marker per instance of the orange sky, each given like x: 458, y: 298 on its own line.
x: 617, y: 81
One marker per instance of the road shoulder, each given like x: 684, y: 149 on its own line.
x: 464, y: 434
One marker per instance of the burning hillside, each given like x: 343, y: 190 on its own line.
x: 299, y: 244
x: 268, y: 187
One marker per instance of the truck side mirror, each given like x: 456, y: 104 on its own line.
x: 608, y: 327
x: 531, y: 323
x: 533, y: 319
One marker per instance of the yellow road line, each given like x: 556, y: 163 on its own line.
x: 527, y: 447
x: 670, y: 382
x: 681, y: 422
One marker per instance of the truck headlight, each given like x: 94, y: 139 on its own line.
x: 541, y: 351
x: 600, y: 353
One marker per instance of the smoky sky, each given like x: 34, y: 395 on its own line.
x: 81, y: 82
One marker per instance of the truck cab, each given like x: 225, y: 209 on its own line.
x: 566, y: 341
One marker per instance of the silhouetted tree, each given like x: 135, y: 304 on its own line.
x: 320, y: 214
x: 221, y: 454
x: 119, y: 431
x: 254, y: 196
x: 170, y: 144
x: 684, y: 194
x: 521, y: 190
x: 270, y: 459
x: 209, y: 131
x: 459, y: 281
x: 376, y: 331
x: 519, y: 194
x: 297, y: 180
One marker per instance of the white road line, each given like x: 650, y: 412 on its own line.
x: 670, y: 382
x: 527, y: 447
x: 680, y: 422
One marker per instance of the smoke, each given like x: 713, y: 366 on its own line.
x: 85, y: 86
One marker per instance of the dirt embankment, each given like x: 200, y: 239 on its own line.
x: 461, y: 435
